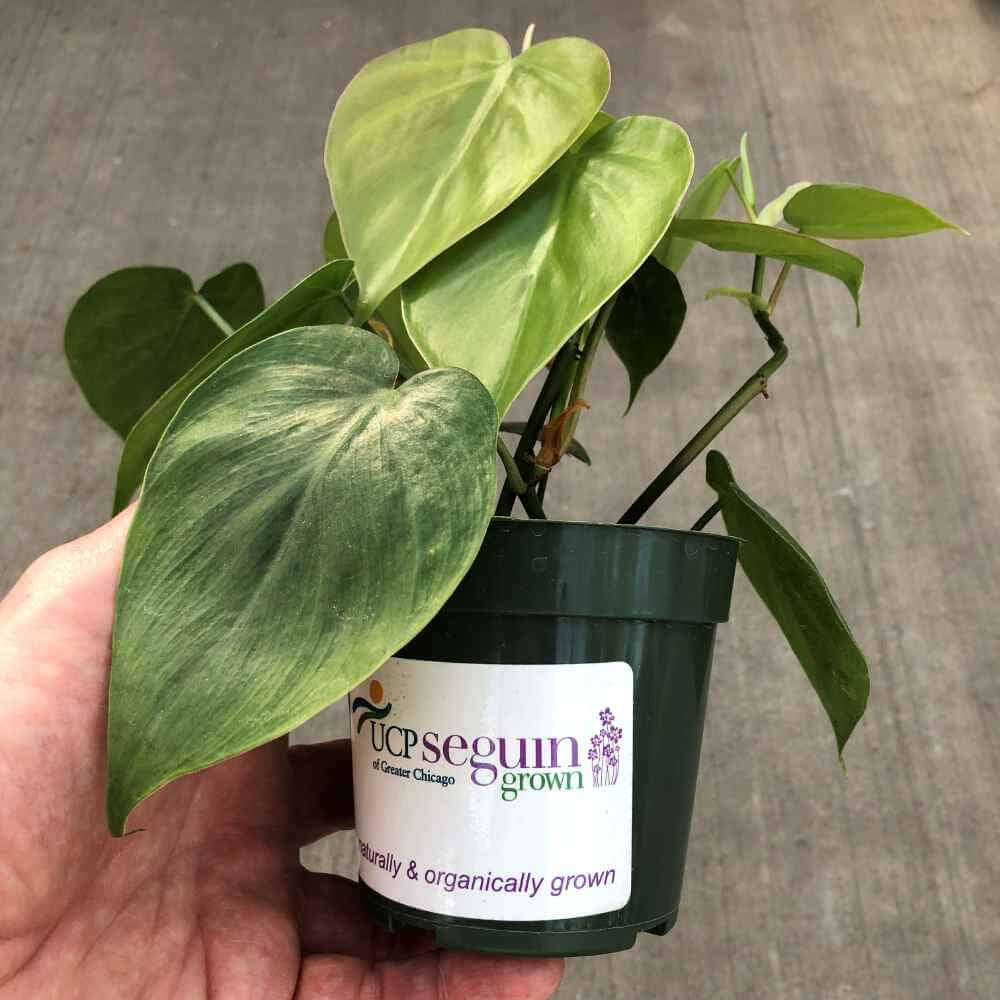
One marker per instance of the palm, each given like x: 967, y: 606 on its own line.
x: 209, y: 899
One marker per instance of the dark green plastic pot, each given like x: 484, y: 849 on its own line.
x: 561, y: 592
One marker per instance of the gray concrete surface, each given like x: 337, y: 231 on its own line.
x: 190, y: 134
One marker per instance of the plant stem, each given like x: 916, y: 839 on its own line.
x: 531, y: 502
x: 738, y: 188
x: 754, y: 386
x: 703, y: 521
x: 525, y: 450
x: 779, y: 284
x: 759, y: 265
x: 594, y: 339
x: 209, y: 311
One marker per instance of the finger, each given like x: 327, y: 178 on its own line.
x: 322, y: 791
x: 333, y: 919
x: 443, y: 975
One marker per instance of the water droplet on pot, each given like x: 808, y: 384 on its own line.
x: 539, y: 563
x: 691, y: 548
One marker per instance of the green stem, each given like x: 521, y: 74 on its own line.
x: 586, y: 363
x: 531, y: 502
x: 779, y: 284
x: 738, y: 188
x: 209, y: 311
x: 759, y: 266
x: 753, y: 387
x: 705, y: 518
x: 524, y: 453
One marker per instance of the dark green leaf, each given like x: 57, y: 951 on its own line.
x: 574, y: 448
x: 745, y: 237
x: 644, y: 324
x: 795, y: 593
x: 316, y: 299
x: 333, y: 242
x: 853, y: 212
x: 702, y: 202
x: 432, y: 140
x: 300, y: 521
x: 136, y: 331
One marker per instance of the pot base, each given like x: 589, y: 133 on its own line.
x: 539, y: 939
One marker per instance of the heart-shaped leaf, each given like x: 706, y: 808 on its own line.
x: 300, y: 521
x: 795, y: 593
x: 314, y: 300
x: 503, y: 301
x: 390, y: 312
x: 132, y: 334
x: 853, y: 212
x: 746, y: 237
x: 430, y: 141
x: 644, y: 324
x: 702, y: 202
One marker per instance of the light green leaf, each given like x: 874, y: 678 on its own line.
x: 771, y: 213
x: 601, y: 120
x: 136, y: 331
x: 574, y: 448
x: 746, y: 237
x: 702, y: 202
x: 644, y: 324
x: 503, y: 301
x: 853, y: 212
x: 795, y: 593
x: 316, y: 299
x: 756, y: 303
x: 300, y: 521
x: 430, y: 141
x: 390, y: 312
x: 746, y: 179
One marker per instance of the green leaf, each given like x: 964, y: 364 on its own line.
x: 503, y: 301
x: 317, y: 299
x: 853, y: 212
x: 702, y: 202
x: 390, y: 312
x: 601, y: 120
x: 770, y: 214
x: 136, y: 331
x: 746, y: 237
x: 755, y: 303
x: 644, y: 324
x: 430, y: 141
x: 795, y: 593
x: 333, y: 242
x: 301, y: 520
x: 574, y: 448
x: 746, y: 179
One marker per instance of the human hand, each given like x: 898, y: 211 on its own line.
x: 209, y: 900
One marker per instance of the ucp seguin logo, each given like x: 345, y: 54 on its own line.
x: 511, y: 764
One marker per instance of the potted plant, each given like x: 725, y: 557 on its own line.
x: 318, y: 513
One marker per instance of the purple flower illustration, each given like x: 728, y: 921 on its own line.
x: 605, y: 750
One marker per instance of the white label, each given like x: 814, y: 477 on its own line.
x: 497, y: 792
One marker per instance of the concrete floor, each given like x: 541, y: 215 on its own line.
x: 190, y: 133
